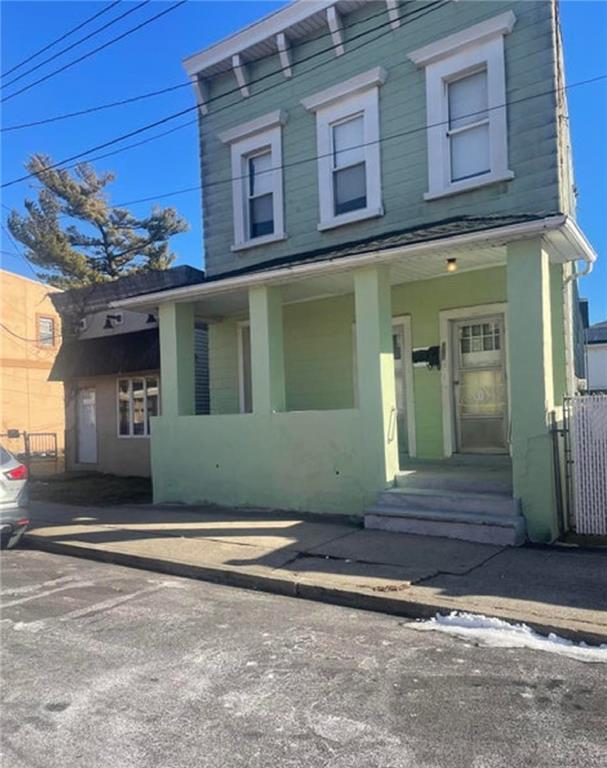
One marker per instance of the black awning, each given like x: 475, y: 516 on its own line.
x: 120, y: 353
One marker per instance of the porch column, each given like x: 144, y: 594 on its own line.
x: 267, y: 349
x: 530, y: 352
x: 375, y: 373
x: 176, y: 322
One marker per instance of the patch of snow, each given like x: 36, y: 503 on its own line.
x: 496, y: 633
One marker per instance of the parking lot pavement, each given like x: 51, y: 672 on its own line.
x: 108, y: 666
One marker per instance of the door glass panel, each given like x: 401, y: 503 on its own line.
x: 482, y: 393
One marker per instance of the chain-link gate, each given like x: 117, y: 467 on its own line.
x: 585, y: 463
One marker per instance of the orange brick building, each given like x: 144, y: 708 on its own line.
x: 30, y: 336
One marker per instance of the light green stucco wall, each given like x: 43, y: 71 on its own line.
x: 423, y: 301
x: 532, y: 129
x: 319, y: 347
x: 301, y: 461
x: 530, y: 349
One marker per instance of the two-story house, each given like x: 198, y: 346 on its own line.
x: 390, y: 245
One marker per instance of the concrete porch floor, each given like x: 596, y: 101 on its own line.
x: 484, y: 473
x: 329, y: 560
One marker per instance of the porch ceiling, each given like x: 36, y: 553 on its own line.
x: 410, y: 254
x: 405, y: 269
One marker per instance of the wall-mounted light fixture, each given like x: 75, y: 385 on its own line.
x: 110, y: 320
x: 151, y: 319
x: 452, y: 265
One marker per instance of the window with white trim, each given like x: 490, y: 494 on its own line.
x: 257, y: 186
x: 349, y: 164
x: 138, y: 401
x: 466, y: 108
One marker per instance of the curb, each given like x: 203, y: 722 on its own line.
x: 410, y: 609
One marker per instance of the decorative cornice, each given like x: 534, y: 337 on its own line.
x: 374, y: 77
x: 478, y: 33
x: 259, y: 124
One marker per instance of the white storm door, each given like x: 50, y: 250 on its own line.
x: 479, y: 385
x: 87, y: 426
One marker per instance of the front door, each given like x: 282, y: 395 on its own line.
x: 87, y: 426
x: 398, y: 346
x: 479, y: 385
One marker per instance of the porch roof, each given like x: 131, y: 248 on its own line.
x: 412, y: 254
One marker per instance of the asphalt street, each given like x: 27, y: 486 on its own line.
x: 108, y: 666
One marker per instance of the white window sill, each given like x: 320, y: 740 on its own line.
x: 350, y: 218
x: 133, y: 437
x: 259, y: 241
x: 469, y: 184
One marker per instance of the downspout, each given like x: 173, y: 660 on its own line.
x: 568, y: 319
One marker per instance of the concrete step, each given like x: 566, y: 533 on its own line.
x: 504, y: 530
x: 457, y: 479
x: 449, y: 501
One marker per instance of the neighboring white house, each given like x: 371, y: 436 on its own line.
x: 596, y: 356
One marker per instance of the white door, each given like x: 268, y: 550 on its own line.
x: 479, y: 385
x: 398, y: 347
x: 87, y: 426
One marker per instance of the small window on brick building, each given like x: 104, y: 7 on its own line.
x: 46, y: 331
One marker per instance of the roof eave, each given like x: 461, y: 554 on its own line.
x: 499, y: 234
x: 246, y: 37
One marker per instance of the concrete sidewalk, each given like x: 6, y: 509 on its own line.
x: 551, y: 589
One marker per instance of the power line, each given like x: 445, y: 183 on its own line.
x: 171, y: 88
x: 428, y: 9
x: 59, y: 39
x: 17, y: 251
x: 390, y: 137
x: 96, y: 50
x: 77, y: 43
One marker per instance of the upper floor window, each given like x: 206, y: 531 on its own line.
x: 257, y: 187
x: 349, y: 165
x: 466, y: 107
x: 348, y: 146
x: 46, y: 331
x: 260, y: 207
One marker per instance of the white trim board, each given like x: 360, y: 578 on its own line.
x: 239, y: 330
x: 445, y: 318
x: 405, y: 322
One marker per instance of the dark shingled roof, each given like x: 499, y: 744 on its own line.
x: 436, y: 231
x: 597, y: 333
x: 97, y: 297
x: 121, y: 353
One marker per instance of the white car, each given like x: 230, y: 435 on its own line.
x: 14, y: 516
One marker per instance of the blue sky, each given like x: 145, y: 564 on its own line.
x: 151, y: 59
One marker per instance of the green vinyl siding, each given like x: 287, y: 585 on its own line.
x: 532, y: 129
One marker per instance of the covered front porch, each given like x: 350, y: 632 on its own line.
x: 307, y: 410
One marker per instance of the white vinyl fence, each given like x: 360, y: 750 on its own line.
x: 588, y: 425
